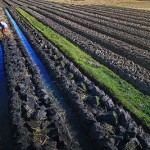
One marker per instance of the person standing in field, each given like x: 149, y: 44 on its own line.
x: 4, y: 27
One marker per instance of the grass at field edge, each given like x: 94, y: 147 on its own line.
x: 123, y: 91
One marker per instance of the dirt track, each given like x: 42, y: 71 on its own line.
x: 3, y: 18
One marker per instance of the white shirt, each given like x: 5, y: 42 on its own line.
x: 4, y: 24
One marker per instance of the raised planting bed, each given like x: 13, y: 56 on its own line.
x: 124, y: 92
x: 129, y: 18
x: 126, y: 69
x: 96, y: 16
x: 128, y: 51
x: 97, y: 21
x: 101, y: 110
x: 123, y: 34
x: 34, y: 119
x: 139, y: 56
x: 131, y: 72
x: 93, y: 113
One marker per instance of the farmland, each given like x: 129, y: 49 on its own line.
x: 98, y: 59
x: 134, y: 4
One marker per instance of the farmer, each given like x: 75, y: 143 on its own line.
x: 3, y: 26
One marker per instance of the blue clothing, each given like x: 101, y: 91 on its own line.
x: 3, y: 27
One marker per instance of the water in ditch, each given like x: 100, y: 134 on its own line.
x: 64, y: 110
x: 5, y: 131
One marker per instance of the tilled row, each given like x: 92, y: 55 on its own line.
x: 133, y: 13
x: 144, y: 20
x: 137, y: 55
x: 95, y: 17
x: 128, y: 11
x: 133, y: 73
x: 88, y: 20
x: 35, y: 122
x: 8, y: 3
x: 137, y: 41
x: 62, y: 21
x: 134, y: 19
x: 109, y: 126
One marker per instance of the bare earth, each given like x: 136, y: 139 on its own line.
x: 4, y: 18
x: 136, y: 4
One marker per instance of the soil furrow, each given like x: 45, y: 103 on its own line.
x: 104, y: 40
x: 85, y: 114
x: 138, y: 41
x: 63, y: 31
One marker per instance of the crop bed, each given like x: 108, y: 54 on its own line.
x: 75, y: 86
x: 126, y: 68
x: 35, y: 121
x: 94, y: 36
x: 100, y: 26
x: 34, y: 118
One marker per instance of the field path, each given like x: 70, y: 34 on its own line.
x: 4, y: 18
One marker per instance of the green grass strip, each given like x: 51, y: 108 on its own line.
x: 125, y: 92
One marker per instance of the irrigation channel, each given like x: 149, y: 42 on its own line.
x: 70, y: 119
x: 5, y: 131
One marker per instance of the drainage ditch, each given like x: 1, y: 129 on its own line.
x: 63, y: 108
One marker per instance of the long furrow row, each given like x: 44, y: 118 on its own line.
x: 135, y: 18
x: 131, y: 78
x: 93, y: 35
x: 90, y: 16
x: 140, y: 42
x: 90, y: 29
x: 35, y: 120
x: 90, y: 22
x: 97, y: 37
x: 133, y: 12
x: 128, y: 18
x: 103, y: 55
x: 96, y: 118
x: 126, y: 11
x: 39, y: 117
x: 97, y: 17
